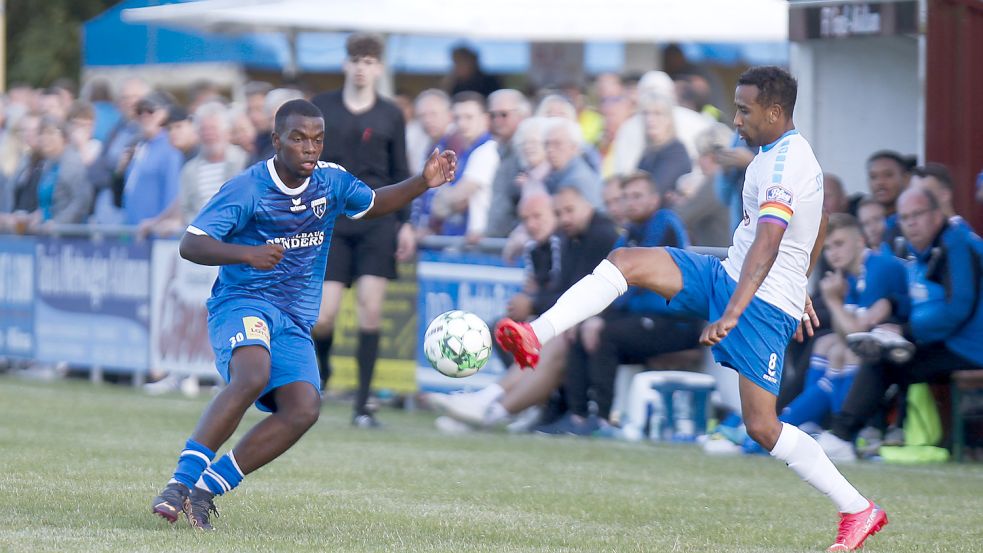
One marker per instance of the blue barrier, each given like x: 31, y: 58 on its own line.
x: 17, y: 297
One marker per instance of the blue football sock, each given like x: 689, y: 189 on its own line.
x: 841, y: 386
x: 818, y: 365
x: 193, y: 461
x: 812, y: 405
x: 222, y: 476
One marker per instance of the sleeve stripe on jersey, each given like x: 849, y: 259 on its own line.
x: 196, y: 231
x: 775, y: 213
x: 368, y: 209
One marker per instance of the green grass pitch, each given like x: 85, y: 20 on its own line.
x: 79, y: 464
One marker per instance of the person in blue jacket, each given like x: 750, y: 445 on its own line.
x: 946, y: 315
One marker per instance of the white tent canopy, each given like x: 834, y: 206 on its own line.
x: 532, y: 20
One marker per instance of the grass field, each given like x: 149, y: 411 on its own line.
x: 80, y: 464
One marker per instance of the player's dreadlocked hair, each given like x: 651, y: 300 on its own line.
x: 775, y: 86
x: 293, y: 107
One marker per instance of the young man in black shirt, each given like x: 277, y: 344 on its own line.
x: 366, y: 135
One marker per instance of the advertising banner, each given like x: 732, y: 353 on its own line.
x: 478, y: 283
x: 92, y: 303
x: 17, y: 297
x: 179, y: 325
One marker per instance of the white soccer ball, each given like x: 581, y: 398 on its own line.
x: 457, y: 343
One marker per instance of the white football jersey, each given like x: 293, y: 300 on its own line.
x: 783, y: 185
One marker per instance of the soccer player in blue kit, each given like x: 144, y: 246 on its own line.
x: 269, y: 228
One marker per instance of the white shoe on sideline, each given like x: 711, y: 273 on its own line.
x: 447, y: 425
x: 880, y: 342
x: 837, y: 449
x: 525, y: 420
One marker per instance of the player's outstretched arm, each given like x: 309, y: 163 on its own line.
x: 438, y: 170
x: 760, y: 257
x: 205, y: 250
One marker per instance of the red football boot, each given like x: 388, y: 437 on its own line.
x: 519, y: 340
x: 854, y: 529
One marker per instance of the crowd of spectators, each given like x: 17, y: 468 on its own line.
x: 565, y: 175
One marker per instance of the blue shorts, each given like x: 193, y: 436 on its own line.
x: 239, y: 322
x: 755, y: 347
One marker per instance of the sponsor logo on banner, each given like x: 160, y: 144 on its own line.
x: 256, y: 329
x: 778, y: 194
x: 319, y: 206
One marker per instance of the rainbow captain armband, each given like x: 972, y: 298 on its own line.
x: 775, y: 213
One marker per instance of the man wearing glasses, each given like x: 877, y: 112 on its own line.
x: 506, y: 109
x: 946, y: 321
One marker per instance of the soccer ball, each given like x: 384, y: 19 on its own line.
x: 457, y: 343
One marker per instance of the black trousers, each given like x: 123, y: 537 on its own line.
x: 932, y: 364
x: 626, y: 339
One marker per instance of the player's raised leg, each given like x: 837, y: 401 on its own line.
x: 651, y: 268
x: 859, y: 517
x: 249, y: 374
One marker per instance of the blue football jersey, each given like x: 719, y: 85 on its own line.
x: 882, y: 276
x: 256, y: 208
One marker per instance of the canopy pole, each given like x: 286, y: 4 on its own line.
x: 290, y: 69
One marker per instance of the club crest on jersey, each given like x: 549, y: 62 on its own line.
x: 778, y: 194
x: 297, y: 206
x: 319, y: 206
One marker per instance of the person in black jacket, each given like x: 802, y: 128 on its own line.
x: 366, y: 135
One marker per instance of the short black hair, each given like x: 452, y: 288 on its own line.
x: 904, y: 163
x: 640, y: 175
x: 469, y: 96
x: 294, y: 107
x: 937, y: 170
x: 359, y: 45
x: 775, y: 86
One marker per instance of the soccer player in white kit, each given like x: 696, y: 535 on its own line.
x: 756, y: 298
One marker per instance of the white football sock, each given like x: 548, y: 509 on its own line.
x: 588, y: 297
x: 496, y: 414
x: 804, y: 456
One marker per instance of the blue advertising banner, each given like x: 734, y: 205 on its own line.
x: 16, y: 297
x: 93, y: 303
x: 478, y: 283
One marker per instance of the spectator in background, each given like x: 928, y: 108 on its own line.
x: 936, y: 178
x: 461, y: 208
x: 568, y: 168
x: 201, y: 92
x: 467, y: 76
x: 152, y: 178
x: 665, y: 158
x: 706, y: 219
x: 590, y: 121
x: 432, y: 110
x: 630, y: 142
x: 108, y: 171
x: 242, y: 133
x: 834, y: 196
x: 729, y: 183
x: 182, y: 133
x: 616, y: 106
x: 365, y: 134
x: 81, y: 122
x: 263, y: 150
x: 887, y: 177
x: 946, y: 319
x: 202, y: 176
x: 255, y: 97
x: 507, y: 109
x: 23, y: 184
x: 51, y: 103
x: 614, y: 205
x: 635, y: 328
x: 64, y: 193
x: 106, y: 115
x: 872, y: 216
x: 529, y: 145
x: 20, y: 139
